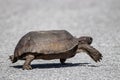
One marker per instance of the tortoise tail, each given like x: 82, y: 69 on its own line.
x: 92, y: 52
x: 13, y: 59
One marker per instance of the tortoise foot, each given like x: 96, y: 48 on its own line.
x: 62, y: 61
x: 27, y: 67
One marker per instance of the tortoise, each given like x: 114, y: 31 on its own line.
x: 52, y: 44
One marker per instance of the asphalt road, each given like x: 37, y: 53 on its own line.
x: 97, y: 18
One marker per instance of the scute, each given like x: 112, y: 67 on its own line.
x: 46, y: 42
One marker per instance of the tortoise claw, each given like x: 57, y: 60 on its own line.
x: 27, y: 67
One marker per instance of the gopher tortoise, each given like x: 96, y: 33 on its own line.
x: 52, y: 44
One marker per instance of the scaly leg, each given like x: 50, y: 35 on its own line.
x: 29, y: 59
x: 92, y: 52
x: 62, y: 61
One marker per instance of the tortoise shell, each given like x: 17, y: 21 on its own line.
x: 45, y: 42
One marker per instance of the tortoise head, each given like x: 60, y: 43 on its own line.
x: 85, y: 40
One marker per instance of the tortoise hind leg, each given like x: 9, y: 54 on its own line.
x: 62, y: 61
x: 29, y: 59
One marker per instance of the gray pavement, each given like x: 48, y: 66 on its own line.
x: 97, y: 18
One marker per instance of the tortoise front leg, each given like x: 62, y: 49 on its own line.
x: 92, y: 52
x: 29, y: 59
x: 62, y: 61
